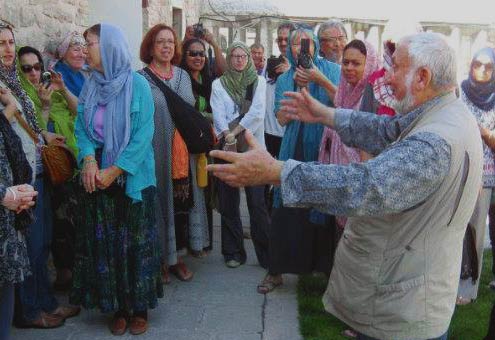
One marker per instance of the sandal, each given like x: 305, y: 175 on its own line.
x: 462, y: 301
x: 138, y: 325
x: 119, y: 323
x: 181, y: 272
x: 349, y: 333
x: 44, y: 321
x: 269, y: 284
x: 165, y: 275
x: 65, y: 312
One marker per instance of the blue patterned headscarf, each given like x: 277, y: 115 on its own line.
x: 113, y: 89
x: 311, y: 132
x: 481, y: 94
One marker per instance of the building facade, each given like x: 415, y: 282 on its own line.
x: 42, y: 23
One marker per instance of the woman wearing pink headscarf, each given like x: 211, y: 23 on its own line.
x: 360, y: 60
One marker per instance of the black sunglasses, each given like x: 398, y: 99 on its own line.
x: 196, y: 53
x: 29, y: 68
x: 478, y: 64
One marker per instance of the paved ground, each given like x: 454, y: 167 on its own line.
x: 219, y: 304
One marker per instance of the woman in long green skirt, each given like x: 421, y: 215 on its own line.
x: 117, y: 264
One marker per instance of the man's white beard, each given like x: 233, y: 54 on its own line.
x: 406, y: 104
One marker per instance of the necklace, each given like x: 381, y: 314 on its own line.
x: 163, y: 76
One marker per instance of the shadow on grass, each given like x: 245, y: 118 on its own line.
x: 469, y: 322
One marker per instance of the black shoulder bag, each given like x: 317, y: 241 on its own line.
x: 193, y: 127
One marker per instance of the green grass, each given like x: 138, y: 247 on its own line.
x: 470, y: 322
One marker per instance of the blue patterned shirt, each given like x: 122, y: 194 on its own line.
x: 401, y: 176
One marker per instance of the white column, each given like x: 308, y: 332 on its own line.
x: 265, y: 38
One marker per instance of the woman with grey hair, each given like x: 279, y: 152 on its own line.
x: 333, y: 38
x: 71, y: 61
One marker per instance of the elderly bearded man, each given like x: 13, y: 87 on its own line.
x: 397, y: 266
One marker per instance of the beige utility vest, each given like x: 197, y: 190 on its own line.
x: 396, y: 276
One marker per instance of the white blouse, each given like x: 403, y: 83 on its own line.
x: 225, y: 110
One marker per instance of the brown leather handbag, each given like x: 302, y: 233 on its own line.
x: 59, y: 161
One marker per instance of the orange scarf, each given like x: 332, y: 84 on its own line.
x: 180, y: 157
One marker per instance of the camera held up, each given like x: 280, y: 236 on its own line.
x: 304, y: 58
x: 271, y: 65
x: 46, y: 79
x: 199, y: 30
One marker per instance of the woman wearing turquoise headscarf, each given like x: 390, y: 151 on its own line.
x: 296, y: 244
x: 117, y: 266
x: 228, y: 101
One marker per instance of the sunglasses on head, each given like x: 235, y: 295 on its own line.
x: 29, y: 68
x: 196, y: 53
x: 6, y: 24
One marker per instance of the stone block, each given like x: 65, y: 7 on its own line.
x: 27, y: 16
x: 61, y: 12
x: 248, y: 319
x: 11, y: 13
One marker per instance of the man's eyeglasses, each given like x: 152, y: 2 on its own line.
x: 28, y: 68
x: 193, y: 54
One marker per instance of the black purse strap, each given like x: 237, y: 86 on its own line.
x: 169, y: 94
x: 248, y: 97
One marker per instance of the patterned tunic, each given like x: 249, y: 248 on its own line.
x: 14, y: 262
x: 485, y: 119
x: 162, y: 145
x: 403, y: 174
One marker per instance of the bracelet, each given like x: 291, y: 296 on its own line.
x: 13, y: 193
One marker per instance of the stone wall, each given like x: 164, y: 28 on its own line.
x: 40, y: 23
x: 192, y: 9
x: 160, y: 11
x: 155, y: 12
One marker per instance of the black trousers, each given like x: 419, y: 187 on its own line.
x: 273, y: 144
x: 64, y: 230
x: 273, y: 147
x: 232, y: 233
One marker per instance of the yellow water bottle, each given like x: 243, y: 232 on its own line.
x: 201, y: 173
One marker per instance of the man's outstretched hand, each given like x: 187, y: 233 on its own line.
x: 303, y: 107
x: 254, y: 167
